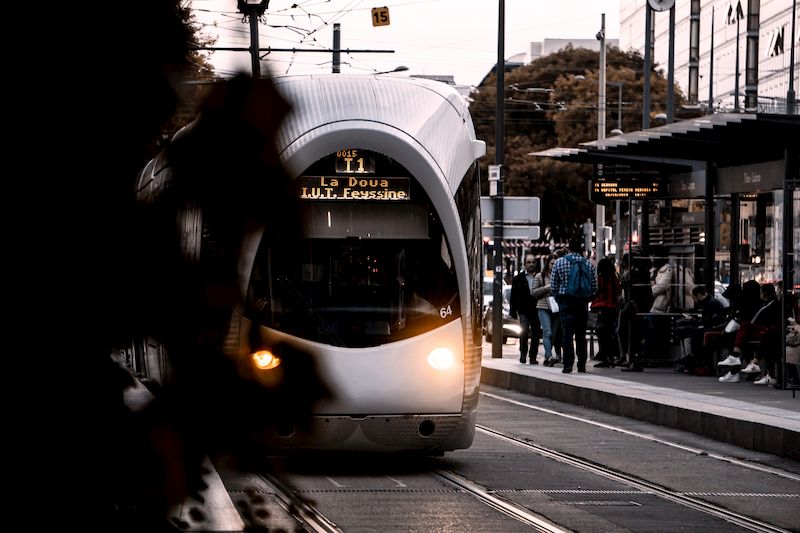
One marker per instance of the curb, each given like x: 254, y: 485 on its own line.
x: 770, y: 431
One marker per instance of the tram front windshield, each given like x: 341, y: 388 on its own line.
x: 364, y: 274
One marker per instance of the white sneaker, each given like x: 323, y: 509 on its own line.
x: 766, y: 380
x: 730, y: 378
x: 730, y: 361
x: 752, y: 368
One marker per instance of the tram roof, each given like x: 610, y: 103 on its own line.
x: 726, y: 139
x: 429, y: 115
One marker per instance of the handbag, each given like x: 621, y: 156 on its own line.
x: 732, y: 326
x: 552, y: 304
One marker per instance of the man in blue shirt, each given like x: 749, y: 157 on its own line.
x: 573, y: 311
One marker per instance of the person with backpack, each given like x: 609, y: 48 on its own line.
x: 574, y: 284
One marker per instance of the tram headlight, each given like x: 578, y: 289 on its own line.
x: 441, y: 359
x: 265, y: 360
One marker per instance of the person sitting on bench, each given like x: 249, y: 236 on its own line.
x: 764, y: 322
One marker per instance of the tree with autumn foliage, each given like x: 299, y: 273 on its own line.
x: 553, y: 102
x: 195, y: 78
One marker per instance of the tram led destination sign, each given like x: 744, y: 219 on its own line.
x: 354, y: 188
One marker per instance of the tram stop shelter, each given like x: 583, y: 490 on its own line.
x: 730, y: 161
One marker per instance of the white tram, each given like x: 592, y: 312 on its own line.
x: 383, y: 291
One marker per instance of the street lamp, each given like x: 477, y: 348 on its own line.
x: 253, y: 9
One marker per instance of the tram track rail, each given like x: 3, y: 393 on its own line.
x: 652, y: 438
x: 515, y: 511
x: 313, y: 520
x: 642, y: 485
x: 297, y: 507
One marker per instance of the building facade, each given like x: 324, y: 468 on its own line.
x: 729, y: 19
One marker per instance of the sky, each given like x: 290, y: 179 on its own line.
x: 432, y: 37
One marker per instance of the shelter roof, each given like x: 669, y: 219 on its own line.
x: 727, y: 139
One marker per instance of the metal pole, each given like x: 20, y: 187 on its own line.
x: 736, y: 88
x: 790, y: 180
x: 751, y: 56
x: 671, y: 68
x: 497, y: 305
x: 600, y: 210
x: 694, y: 52
x: 648, y: 40
x: 790, y: 97
x: 710, y: 245
x: 617, y: 227
x: 736, y: 238
x: 254, y: 59
x: 710, y: 110
x: 601, y: 91
x: 337, y: 46
x: 618, y: 203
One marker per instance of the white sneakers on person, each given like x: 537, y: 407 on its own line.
x: 730, y: 361
x: 729, y: 378
x: 766, y: 380
x: 751, y: 368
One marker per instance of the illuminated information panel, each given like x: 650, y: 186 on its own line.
x: 624, y: 189
x: 354, y: 188
x: 621, y: 181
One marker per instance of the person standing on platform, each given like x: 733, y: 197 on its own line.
x: 574, y: 283
x: 548, y: 318
x: 523, y: 307
x: 605, y: 304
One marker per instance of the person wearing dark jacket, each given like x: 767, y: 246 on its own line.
x: 713, y: 316
x: 605, y: 304
x: 765, y: 324
x: 523, y: 307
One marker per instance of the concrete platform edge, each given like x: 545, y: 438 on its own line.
x: 751, y: 435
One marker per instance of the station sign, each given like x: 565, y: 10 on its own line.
x: 531, y: 233
x: 516, y: 209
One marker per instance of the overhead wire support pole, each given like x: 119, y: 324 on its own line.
x: 790, y: 95
x: 600, y: 209
x: 253, y: 9
x: 671, y: 68
x: 255, y: 61
x: 337, y: 44
x: 648, y: 48
x: 497, y: 292
x: 711, y: 68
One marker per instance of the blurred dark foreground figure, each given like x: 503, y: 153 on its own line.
x: 97, y: 270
